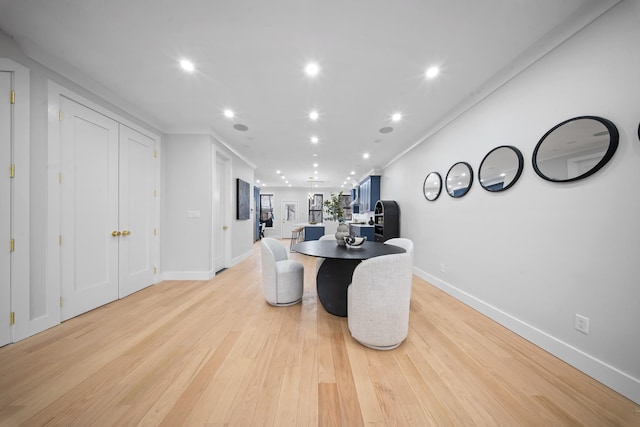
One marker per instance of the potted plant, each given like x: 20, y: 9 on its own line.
x: 333, y: 208
x: 334, y: 211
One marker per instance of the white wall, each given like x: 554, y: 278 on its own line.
x: 188, y: 176
x: 534, y: 256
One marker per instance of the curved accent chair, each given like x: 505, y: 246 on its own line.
x: 406, y: 244
x: 282, y: 278
x: 378, y: 300
x: 319, y: 260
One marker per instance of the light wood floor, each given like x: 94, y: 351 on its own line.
x: 215, y: 353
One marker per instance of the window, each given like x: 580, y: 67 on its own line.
x: 345, y: 202
x: 315, y: 208
x: 266, y: 209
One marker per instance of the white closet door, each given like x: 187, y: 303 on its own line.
x: 137, y: 185
x: 5, y: 208
x: 89, y: 209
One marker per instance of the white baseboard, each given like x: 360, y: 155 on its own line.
x: 187, y: 275
x: 608, y: 375
x: 240, y: 258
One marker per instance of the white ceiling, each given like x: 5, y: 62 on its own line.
x: 250, y: 57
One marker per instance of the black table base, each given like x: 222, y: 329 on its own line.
x: 334, y: 276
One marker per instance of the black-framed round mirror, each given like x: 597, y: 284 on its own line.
x: 575, y: 149
x: 459, y: 179
x: 500, y: 168
x: 432, y: 186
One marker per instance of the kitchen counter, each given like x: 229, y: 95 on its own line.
x: 362, y: 230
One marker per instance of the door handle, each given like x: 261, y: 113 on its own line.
x: 224, y: 227
x: 115, y: 233
x: 126, y: 233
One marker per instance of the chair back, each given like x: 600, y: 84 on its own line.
x: 277, y: 249
x: 406, y: 244
x: 378, y: 300
x: 327, y: 237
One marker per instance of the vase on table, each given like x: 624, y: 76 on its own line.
x: 341, y: 233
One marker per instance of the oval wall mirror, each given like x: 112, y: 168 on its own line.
x: 432, y: 186
x: 500, y: 168
x: 459, y: 179
x: 575, y: 149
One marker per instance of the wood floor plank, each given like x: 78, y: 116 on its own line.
x: 214, y: 353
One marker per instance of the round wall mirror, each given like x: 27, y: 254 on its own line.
x: 575, y: 149
x: 432, y: 186
x: 459, y: 179
x: 500, y: 168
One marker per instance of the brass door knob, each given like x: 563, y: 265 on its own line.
x: 115, y: 233
x: 126, y: 233
x: 224, y: 227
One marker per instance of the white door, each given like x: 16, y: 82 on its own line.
x: 89, y: 204
x: 136, y: 211
x: 5, y: 208
x: 220, y: 226
x: 289, y: 215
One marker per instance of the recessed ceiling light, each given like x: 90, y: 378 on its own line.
x: 314, y: 139
x: 187, y: 65
x: 312, y: 69
x: 353, y: 172
x: 314, y: 115
x: 432, y: 72
x: 396, y: 117
x: 278, y: 172
x: 365, y: 156
x: 315, y: 172
x: 282, y: 176
x: 229, y: 114
x: 289, y: 185
x: 257, y: 180
x: 315, y: 165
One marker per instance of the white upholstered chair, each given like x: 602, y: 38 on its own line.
x: 406, y: 244
x: 282, y: 278
x: 320, y: 260
x: 378, y: 301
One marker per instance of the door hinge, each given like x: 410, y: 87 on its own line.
x: 12, y: 245
x: 12, y: 171
x: 60, y: 301
x: 60, y: 115
x: 155, y: 232
x: 155, y: 270
x: 155, y: 153
x: 154, y: 193
x: 59, y: 239
x: 59, y: 177
x: 12, y: 97
x: 12, y: 318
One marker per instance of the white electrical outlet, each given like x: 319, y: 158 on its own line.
x: 582, y: 324
x: 442, y: 267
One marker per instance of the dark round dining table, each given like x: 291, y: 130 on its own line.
x: 334, y: 275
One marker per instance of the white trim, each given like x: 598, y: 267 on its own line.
x: 20, y: 260
x: 514, y: 68
x: 187, y: 275
x: 241, y: 258
x: 225, y: 209
x: 606, y: 374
